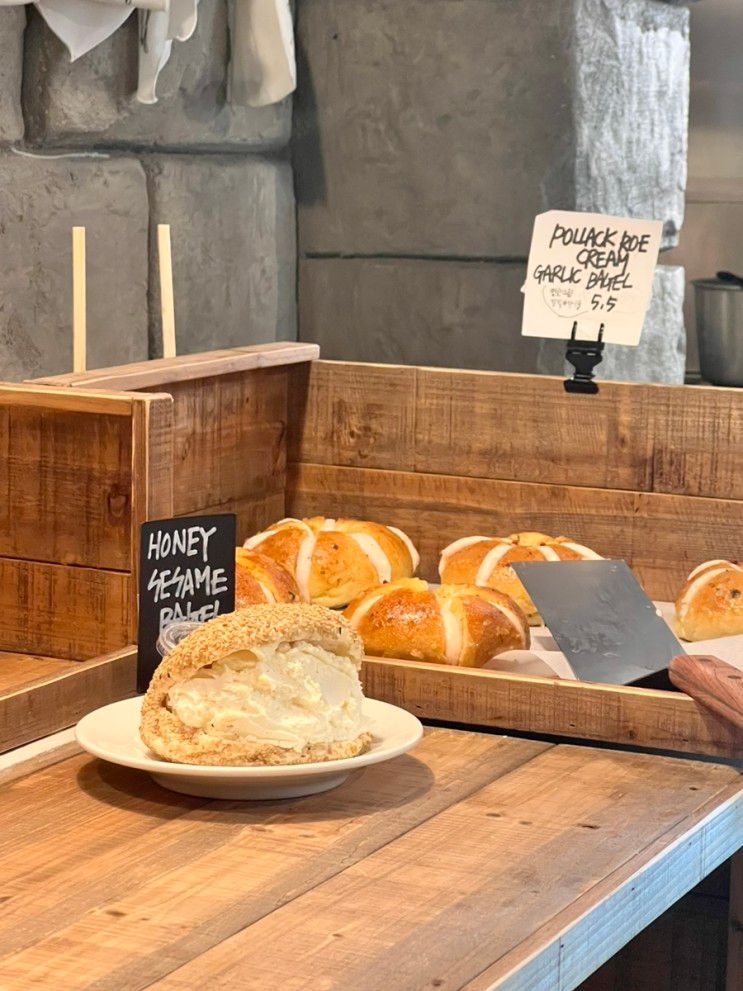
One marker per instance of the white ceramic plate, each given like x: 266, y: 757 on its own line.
x: 112, y: 733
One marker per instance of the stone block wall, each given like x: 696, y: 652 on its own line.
x: 76, y: 148
x: 427, y: 135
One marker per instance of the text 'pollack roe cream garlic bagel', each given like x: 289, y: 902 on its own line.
x: 711, y: 602
x: 333, y: 561
x: 485, y: 561
x: 258, y: 579
x: 448, y: 624
x: 269, y: 684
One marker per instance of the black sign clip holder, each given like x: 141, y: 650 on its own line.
x: 584, y: 356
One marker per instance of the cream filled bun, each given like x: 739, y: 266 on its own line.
x: 269, y: 684
x: 446, y: 624
x: 486, y: 561
x: 710, y: 604
x: 334, y: 560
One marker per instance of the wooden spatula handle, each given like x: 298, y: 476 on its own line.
x: 711, y: 682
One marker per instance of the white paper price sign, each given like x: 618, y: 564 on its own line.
x: 590, y: 269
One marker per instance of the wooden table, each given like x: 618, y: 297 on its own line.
x: 477, y: 862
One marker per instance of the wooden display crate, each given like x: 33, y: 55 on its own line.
x: 650, y: 474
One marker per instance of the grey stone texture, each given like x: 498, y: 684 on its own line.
x: 631, y: 105
x: 428, y: 127
x: 40, y: 201
x: 12, y: 26
x: 234, y: 249
x: 91, y: 102
x: 661, y: 354
x: 444, y: 313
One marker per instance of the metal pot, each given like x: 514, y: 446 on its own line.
x: 720, y: 330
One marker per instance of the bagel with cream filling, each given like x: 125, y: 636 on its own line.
x: 447, y: 624
x: 334, y: 560
x: 269, y: 684
x: 710, y: 604
x: 259, y: 579
x: 485, y: 561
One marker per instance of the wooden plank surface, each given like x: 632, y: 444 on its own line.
x: 252, y: 514
x: 476, y: 862
x: 539, y: 873
x: 631, y: 897
x: 345, y: 413
x: 660, y: 536
x: 665, y: 439
x: 83, y: 471
x: 18, y: 670
x: 152, y: 459
x: 229, y: 441
x: 67, y: 612
x: 140, y: 880
x: 65, y: 491
x: 229, y: 427
x: 696, y: 433
x: 42, y: 695
x: 160, y: 373
x: 79, y: 401
x: 638, y: 717
x: 526, y: 428
x: 152, y: 481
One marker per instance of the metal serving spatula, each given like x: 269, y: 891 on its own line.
x: 601, y: 619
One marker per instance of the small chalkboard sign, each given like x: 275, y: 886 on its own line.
x: 186, y: 572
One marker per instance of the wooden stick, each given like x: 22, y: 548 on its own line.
x: 79, y: 305
x: 167, y: 305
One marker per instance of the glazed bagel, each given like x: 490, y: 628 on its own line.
x: 258, y: 579
x: 333, y: 561
x: 710, y: 604
x: 235, y: 634
x: 485, y: 561
x: 449, y: 624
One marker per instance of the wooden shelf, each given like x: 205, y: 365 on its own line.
x: 42, y: 695
x: 165, y: 371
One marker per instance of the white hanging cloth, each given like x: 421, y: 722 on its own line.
x: 262, y: 67
x: 158, y: 29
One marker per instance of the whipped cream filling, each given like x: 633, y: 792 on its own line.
x: 253, y: 542
x: 369, y: 545
x: 458, y: 545
x: 414, y: 555
x: 303, y: 565
x: 710, y: 564
x: 453, y: 633
x: 286, y: 695
x: 513, y: 619
x: 489, y: 562
x: 268, y: 594
x: 364, y: 608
